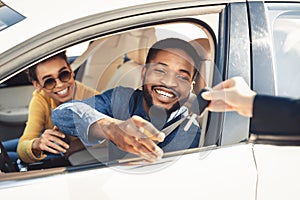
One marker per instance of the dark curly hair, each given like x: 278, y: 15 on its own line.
x: 175, y: 43
x: 31, y: 72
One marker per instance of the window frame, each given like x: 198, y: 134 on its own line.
x: 276, y: 10
x: 83, y: 32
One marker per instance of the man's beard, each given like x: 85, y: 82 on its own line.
x: 158, y: 114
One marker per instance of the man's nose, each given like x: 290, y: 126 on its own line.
x: 169, y: 80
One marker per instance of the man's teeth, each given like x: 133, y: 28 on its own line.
x: 63, y: 91
x: 164, y: 93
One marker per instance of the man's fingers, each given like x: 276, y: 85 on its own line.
x: 156, y: 136
x: 136, y: 136
x: 147, y: 149
x: 143, y: 147
x: 147, y: 130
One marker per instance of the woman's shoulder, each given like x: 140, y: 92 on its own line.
x: 40, y: 94
x: 40, y: 98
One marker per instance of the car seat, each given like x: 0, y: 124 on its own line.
x: 107, y: 55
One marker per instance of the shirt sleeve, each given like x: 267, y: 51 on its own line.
x: 76, y: 117
x: 276, y: 115
x: 37, y: 117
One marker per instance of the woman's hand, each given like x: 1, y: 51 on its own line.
x: 50, y: 141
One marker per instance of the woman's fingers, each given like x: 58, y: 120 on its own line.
x: 51, y: 141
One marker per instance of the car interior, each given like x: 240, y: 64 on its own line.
x: 102, y: 63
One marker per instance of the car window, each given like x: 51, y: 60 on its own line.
x: 110, y: 60
x: 104, y: 58
x: 285, y: 26
x: 117, y: 60
x: 8, y: 16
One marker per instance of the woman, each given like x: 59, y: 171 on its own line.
x: 54, y: 81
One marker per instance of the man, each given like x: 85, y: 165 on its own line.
x: 269, y: 114
x: 123, y: 115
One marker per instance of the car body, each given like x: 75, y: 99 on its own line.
x: 253, y: 39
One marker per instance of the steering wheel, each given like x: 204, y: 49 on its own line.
x: 5, y: 163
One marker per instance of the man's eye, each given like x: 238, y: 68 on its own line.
x: 183, y: 77
x: 160, y: 71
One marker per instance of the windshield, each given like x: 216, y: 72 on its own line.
x: 8, y: 17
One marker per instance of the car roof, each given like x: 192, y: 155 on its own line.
x: 40, y: 16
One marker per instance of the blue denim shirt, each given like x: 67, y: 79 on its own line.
x: 75, y: 117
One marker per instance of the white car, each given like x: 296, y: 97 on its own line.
x: 257, y: 40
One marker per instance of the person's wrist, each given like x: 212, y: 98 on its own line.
x: 34, y: 144
x: 98, y: 128
x: 250, y: 104
x: 105, y: 122
x: 35, y: 149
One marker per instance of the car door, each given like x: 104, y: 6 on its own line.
x: 222, y: 166
x: 276, y: 72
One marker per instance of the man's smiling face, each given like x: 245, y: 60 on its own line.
x: 167, y: 79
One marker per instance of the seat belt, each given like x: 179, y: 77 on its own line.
x: 169, y: 129
x: 202, y: 104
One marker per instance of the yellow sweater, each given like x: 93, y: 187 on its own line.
x: 39, y: 119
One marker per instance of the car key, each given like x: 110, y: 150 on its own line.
x: 202, y: 103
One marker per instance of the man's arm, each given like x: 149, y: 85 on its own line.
x: 75, y: 118
x: 134, y: 135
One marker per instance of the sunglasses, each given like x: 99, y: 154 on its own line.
x: 63, y: 76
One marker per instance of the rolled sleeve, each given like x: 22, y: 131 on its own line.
x: 75, y: 118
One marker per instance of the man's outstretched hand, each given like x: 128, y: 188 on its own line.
x: 135, y: 135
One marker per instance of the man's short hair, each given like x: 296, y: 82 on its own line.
x: 174, y: 43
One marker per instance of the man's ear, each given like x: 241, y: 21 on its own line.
x: 143, y: 72
x: 192, y: 85
x: 37, y: 85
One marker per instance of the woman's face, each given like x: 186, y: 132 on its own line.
x: 62, y: 91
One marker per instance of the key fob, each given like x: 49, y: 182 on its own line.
x: 201, y: 103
